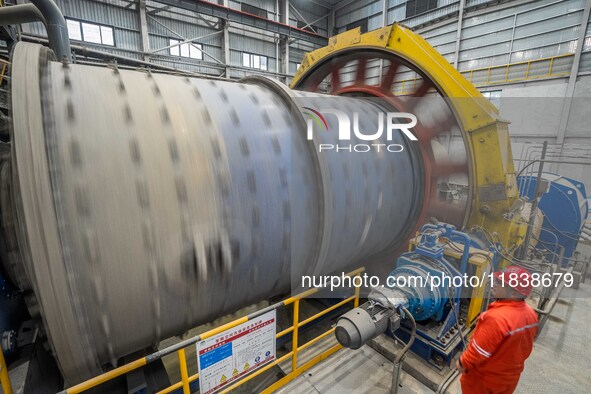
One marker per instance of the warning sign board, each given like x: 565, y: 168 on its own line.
x: 234, y: 353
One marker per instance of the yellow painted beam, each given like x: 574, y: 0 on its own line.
x: 4, y: 378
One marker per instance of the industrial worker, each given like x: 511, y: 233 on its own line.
x: 503, y: 338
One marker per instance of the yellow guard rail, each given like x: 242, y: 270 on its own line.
x: 506, y: 73
x: 180, y: 347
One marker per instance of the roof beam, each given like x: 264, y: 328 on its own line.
x: 341, y: 4
x: 322, y: 3
x: 302, y: 19
x: 232, y: 15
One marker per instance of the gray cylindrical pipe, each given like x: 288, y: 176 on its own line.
x: 397, y: 366
x: 106, y: 56
x: 147, y: 204
x: 22, y: 13
x: 57, y: 29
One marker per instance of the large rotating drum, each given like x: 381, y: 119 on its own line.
x: 145, y: 204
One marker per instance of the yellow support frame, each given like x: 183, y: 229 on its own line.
x: 485, y: 134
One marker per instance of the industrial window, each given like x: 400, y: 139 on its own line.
x: 190, y: 50
x: 254, y: 61
x: 90, y: 32
x: 416, y: 7
x: 250, y: 9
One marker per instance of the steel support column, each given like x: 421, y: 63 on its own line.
x: 226, y: 46
x: 572, y: 80
x: 284, y: 41
x: 144, y: 29
x: 331, y: 23
x: 459, y: 32
x: 225, y: 25
x: 277, y: 40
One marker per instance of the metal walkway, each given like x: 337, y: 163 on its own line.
x: 353, y: 371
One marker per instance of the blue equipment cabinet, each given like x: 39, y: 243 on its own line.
x: 564, y: 205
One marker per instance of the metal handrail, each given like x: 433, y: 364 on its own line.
x: 180, y: 347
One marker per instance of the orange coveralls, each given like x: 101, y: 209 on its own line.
x: 502, y: 341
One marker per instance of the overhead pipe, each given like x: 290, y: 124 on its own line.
x: 48, y: 13
x: 90, y: 52
x: 23, y: 13
x: 57, y: 29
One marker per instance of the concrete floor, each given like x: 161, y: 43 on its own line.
x: 353, y: 371
x: 560, y: 362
